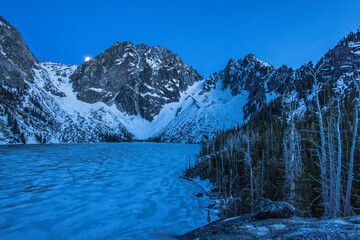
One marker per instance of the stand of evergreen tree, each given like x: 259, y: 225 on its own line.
x: 277, y: 154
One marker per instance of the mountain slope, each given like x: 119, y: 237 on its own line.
x: 37, y: 102
x: 300, y: 147
x: 141, y: 92
x: 138, y: 79
x: 227, y: 99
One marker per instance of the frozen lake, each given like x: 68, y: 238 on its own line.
x: 98, y: 191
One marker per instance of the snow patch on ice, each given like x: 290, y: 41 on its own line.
x: 206, y: 185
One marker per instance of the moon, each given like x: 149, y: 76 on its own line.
x: 87, y: 59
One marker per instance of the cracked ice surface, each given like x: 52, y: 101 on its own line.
x: 98, y: 191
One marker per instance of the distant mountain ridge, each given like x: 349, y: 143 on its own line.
x: 133, y: 92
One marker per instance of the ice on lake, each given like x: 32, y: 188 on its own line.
x: 98, y: 191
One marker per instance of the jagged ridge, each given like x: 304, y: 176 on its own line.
x: 142, y: 92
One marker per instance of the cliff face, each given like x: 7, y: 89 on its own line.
x: 138, y: 79
x: 16, y: 60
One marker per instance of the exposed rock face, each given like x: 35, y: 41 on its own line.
x: 266, y: 209
x: 259, y: 79
x: 137, y: 78
x: 240, y: 91
x: 227, y: 98
x: 16, y: 60
x: 249, y: 228
x: 38, y: 105
x: 247, y: 73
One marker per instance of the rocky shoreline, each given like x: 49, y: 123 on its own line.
x: 275, y: 220
x: 249, y: 227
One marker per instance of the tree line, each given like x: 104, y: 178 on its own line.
x: 297, y: 148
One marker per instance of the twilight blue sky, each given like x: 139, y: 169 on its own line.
x: 205, y: 34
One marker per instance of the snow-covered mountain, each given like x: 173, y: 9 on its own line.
x: 139, y: 92
x: 138, y: 79
x: 47, y: 110
x: 38, y: 104
x: 226, y: 99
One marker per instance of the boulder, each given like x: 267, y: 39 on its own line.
x: 267, y: 209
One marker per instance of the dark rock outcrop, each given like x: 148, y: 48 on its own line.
x: 137, y: 78
x: 16, y: 60
x: 266, y: 209
x: 248, y: 227
x: 258, y: 78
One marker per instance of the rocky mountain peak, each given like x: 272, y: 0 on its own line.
x: 138, y: 79
x: 245, y: 73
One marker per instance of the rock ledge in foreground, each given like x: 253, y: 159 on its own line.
x: 248, y: 227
